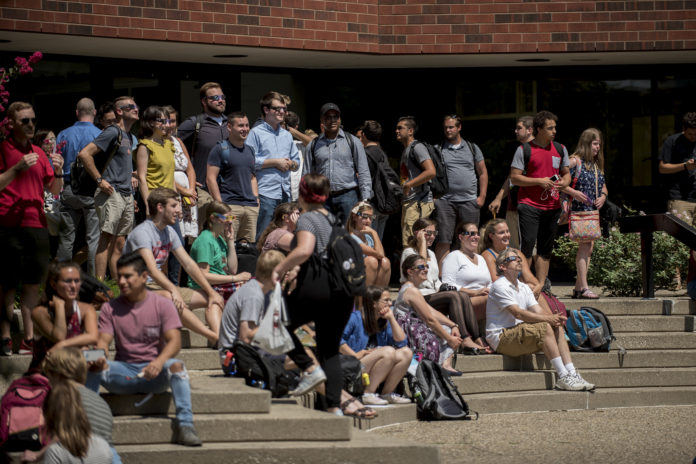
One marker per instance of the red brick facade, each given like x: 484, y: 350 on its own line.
x: 373, y: 26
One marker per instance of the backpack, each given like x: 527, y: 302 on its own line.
x: 527, y: 153
x: 247, y: 255
x: 556, y: 305
x: 437, y: 398
x: 262, y: 372
x: 197, y: 121
x: 439, y: 184
x: 346, y: 264
x: 588, y: 329
x: 22, y: 424
x: 387, y: 192
x: 81, y: 182
x: 351, y: 367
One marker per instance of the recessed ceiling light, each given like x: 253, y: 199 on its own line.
x: 533, y: 60
x: 230, y: 56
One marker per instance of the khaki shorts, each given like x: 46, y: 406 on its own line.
x: 204, y: 199
x: 245, y: 222
x: 524, y: 338
x: 410, y: 213
x: 115, y: 212
x: 186, y: 293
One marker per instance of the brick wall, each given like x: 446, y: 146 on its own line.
x: 373, y: 26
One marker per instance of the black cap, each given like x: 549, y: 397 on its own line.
x: 328, y: 107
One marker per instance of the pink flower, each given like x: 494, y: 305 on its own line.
x: 19, y: 61
x: 36, y: 57
x: 25, y: 69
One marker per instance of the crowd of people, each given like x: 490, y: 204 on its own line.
x: 165, y: 210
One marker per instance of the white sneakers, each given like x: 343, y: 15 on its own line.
x: 573, y: 382
x: 373, y: 399
x: 395, y: 398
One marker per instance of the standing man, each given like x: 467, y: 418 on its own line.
x: 370, y: 135
x: 523, y: 134
x: 467, y: 194
x: 678, y: 161
x: 113, y: 198
x: 200, y: 133
x: 340, y: 157
x: 145, y: 330
x: 540, y: 177
x: 231, y: 177
x: 25, y: 171
x: 276, y: 155
x: 73, y: 206
x: 416, y: 169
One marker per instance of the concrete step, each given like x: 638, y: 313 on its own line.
x: 362, y: 448
x: 652, y: 323
x: 209, y: 394
x: 635, y: 306
x: 545, y: 400
x: 613, y: 359
x: 655, y: 341
x: 285, y: 422
x: 492, y: 382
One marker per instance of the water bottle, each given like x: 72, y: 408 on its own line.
x: 229, y: 364
x: 418, y: 395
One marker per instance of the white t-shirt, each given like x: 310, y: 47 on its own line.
x: 504, y: 294
x: 432, y: 283
x: 459, y: 271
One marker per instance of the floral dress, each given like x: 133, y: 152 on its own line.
x: 586, y: 185
x: 189, y: 224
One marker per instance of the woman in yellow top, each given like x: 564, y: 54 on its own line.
x: 155, y: 156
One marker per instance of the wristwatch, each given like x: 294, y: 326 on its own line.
x: 98, y: 180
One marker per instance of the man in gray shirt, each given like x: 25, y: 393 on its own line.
x: 467, y: 194
x: 415, y: 170
x: 341, y: 157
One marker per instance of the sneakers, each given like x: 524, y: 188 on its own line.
x: 187, y: 436
x: 6, y: 347
x: 395, y: 398
x: 373, y: 399
x: 588, y: 386
x: 570, y: 383
x: 309, y: 381
x: 26, y: 347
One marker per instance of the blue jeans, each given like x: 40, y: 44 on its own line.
x: 267, y: 207
x: 121, y: 379
x: 340, y: 205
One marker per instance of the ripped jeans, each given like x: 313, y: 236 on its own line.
x: 121, y: 379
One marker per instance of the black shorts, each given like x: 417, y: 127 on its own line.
x: 25, y: 254
x: 537, y: 226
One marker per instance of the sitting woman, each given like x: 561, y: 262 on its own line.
x: 373, y: 336
x: 377, y: 266
x: 60, y: 320
x: 455, y: 305
x: 496, y: 239
x: 70, y: 431
x: 214, y: 251
x: 428, y: 331
x: 280, y: 232
x: 466, y: 270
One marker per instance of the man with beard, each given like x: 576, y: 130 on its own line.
x: 463, y: 201
x: 201, y: 133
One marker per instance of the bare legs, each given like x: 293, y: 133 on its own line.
x: 109, y: 250
x: 388, y: 365
x: 582, y: 263
x: 377, y: 271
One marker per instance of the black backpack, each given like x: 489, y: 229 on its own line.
x: 346, y: 264
x: 81, y: 182
x: 351, y: 367
x: 262, y: 372
x: 439, y: 185
x: 437, y: 398
x: 387, y: 192
x: 247, y: 255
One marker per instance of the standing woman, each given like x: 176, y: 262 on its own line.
x: 589, y: 194
x: 312, y: 298
x: 184, y: 179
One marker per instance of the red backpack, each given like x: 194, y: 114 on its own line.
x: 22, y: 424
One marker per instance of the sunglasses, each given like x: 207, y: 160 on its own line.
x: 366, y: 216
x: 225, y: 217
x: 431, y: 233
x: 165, y: 121
x: 131, y: 107
x: 421, y: 267
x: 279, y: 109
x: 26, y: 121
x: 512, y: 259
x: 470, y: 233
x: 216, y: 97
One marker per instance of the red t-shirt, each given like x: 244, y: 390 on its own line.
x: 544, y: 162
x: 22, y: 201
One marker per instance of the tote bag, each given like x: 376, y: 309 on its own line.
x: 272, y: 335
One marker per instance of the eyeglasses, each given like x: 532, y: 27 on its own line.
x: 225, y: 217
x: 512, y: 259
x: 471, y: 233
x: 431, y: 233
x: 26, y: 121
x: 71, y: 281
x: 279, y: 109
x: 164, y: 121
x: 371, y: 217
x: 421, y: 267
x: 216, y: 97
x: 130, y: 107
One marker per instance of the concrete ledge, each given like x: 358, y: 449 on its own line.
x: 652, y: 324
x: 655, y: 341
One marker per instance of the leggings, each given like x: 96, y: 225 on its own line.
x: 456, y: 306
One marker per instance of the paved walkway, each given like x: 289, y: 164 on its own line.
x: 628, y: 435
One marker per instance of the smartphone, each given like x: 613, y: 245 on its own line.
x: 555, y: 178
x: 93, y: 355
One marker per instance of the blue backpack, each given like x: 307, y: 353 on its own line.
x: 588, y: 329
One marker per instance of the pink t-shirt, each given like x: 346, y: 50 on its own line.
x: 273, y: 238
x: 138, y: 329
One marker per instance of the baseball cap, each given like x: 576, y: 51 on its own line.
x: 328, y: 107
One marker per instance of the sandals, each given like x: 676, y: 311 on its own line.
x: 361, y: 413
x: 470, y: 351
x: 584, y: 294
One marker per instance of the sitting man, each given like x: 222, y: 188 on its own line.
x: 516, y: 326
x: 154, y: 240
x: 145, y: 328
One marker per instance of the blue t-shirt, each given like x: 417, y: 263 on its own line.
x: 234, y: 180
x: 357, y: 339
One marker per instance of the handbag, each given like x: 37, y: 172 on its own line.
x: 272, y: 336
x: 583, y: 226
